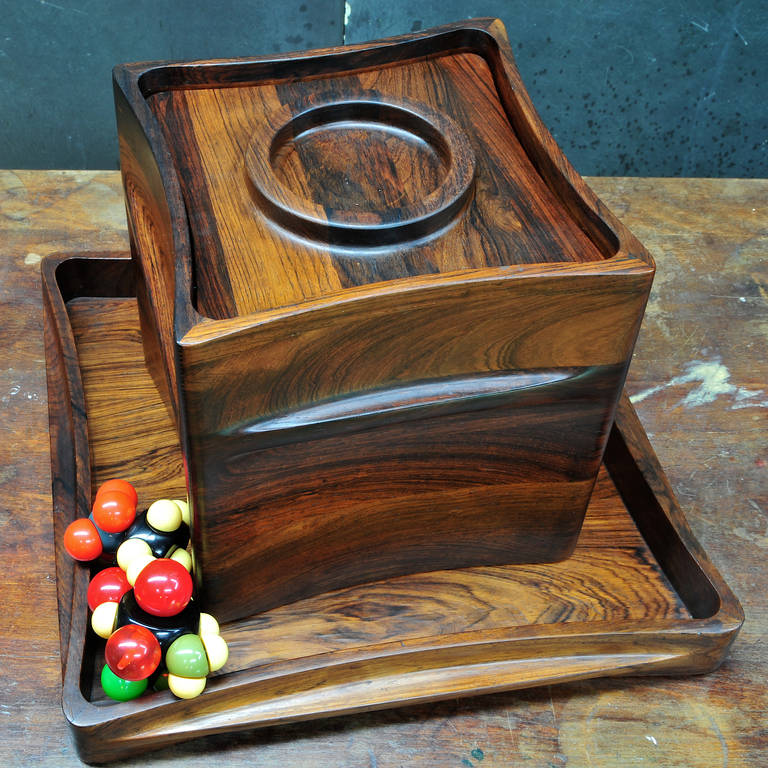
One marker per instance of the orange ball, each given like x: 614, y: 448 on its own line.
x: 82, y: 540
x: 113, y: 511
x: 123, y: 486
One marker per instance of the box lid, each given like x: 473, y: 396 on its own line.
x: 306, y: 175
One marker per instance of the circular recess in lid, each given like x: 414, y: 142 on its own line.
x: 362, y: 172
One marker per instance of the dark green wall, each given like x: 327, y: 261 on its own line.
x: 56, y: 59
x: 646, y: 88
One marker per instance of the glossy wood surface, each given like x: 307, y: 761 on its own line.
x: 376, y: 270
x: 408, y: 657
x: 245, y: 264
x: 708, y: 238
x: 610, y: 577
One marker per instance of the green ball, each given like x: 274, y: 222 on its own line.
x: 186, y: 657
x: 118, y: 689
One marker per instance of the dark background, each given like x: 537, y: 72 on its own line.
x: 648, y: 88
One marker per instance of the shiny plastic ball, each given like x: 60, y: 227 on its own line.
x: 119, y: 689
x: 182, y: 556
x: 133, y: 652
x: 186, y: 687
x: 136, y: 566
x: 107, y: 586
x: 187, y: 658
x: 113, y: 511
x: 163, y: 588
x: 184, y: 507
x: 131, y: 549
x: 104, y: 619
x: 208, y: 625
x: 82, y: 540
x: 216, y: 650
x: 119, y: 485
x: 164, y: 515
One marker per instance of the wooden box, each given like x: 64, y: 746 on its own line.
x: 390, y: 320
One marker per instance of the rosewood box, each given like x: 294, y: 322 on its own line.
x: 389, y: 319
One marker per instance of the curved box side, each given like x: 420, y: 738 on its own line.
x: 152, y: 247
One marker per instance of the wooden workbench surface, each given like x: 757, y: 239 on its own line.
x: 699, y: 381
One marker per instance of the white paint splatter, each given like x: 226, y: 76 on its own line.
x: 652, y: 739
x: 752, y: 404
x: 713, y: 379
x: 757, y: 539
x: 62, y: 8
x: 32, y: 258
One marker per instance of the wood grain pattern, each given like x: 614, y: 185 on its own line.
x: 458, y: 493
x: 513, y: 218
x: 364, y: 172
x: 326, y: 275
x: 608, y: 610
x: 108, y: 355
x: 708, y: 237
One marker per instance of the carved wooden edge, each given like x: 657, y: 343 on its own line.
x: 408, y: 672
x: 69, y: 442
x: 638, y: 476
x: 150, y: 183
x: 134, y: 83
x: 68, y: 428
x: 422, y: 217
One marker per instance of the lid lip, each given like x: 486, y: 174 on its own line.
x: 480, y: 35
x: 623, y: 266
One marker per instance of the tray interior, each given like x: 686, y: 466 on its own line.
x: 612, y: 575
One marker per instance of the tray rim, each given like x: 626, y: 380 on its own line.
x: 410, y: 671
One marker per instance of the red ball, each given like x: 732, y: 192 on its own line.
x: 133, y: 652
x: 82, y: 540
x: 163, y: 587
x: 107, y: 586
x: 123, y: 486
x: 113, y: 511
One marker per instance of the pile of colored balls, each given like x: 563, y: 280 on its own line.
x: 144, y: 607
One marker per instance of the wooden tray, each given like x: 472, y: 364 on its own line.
x: 638, y: 596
